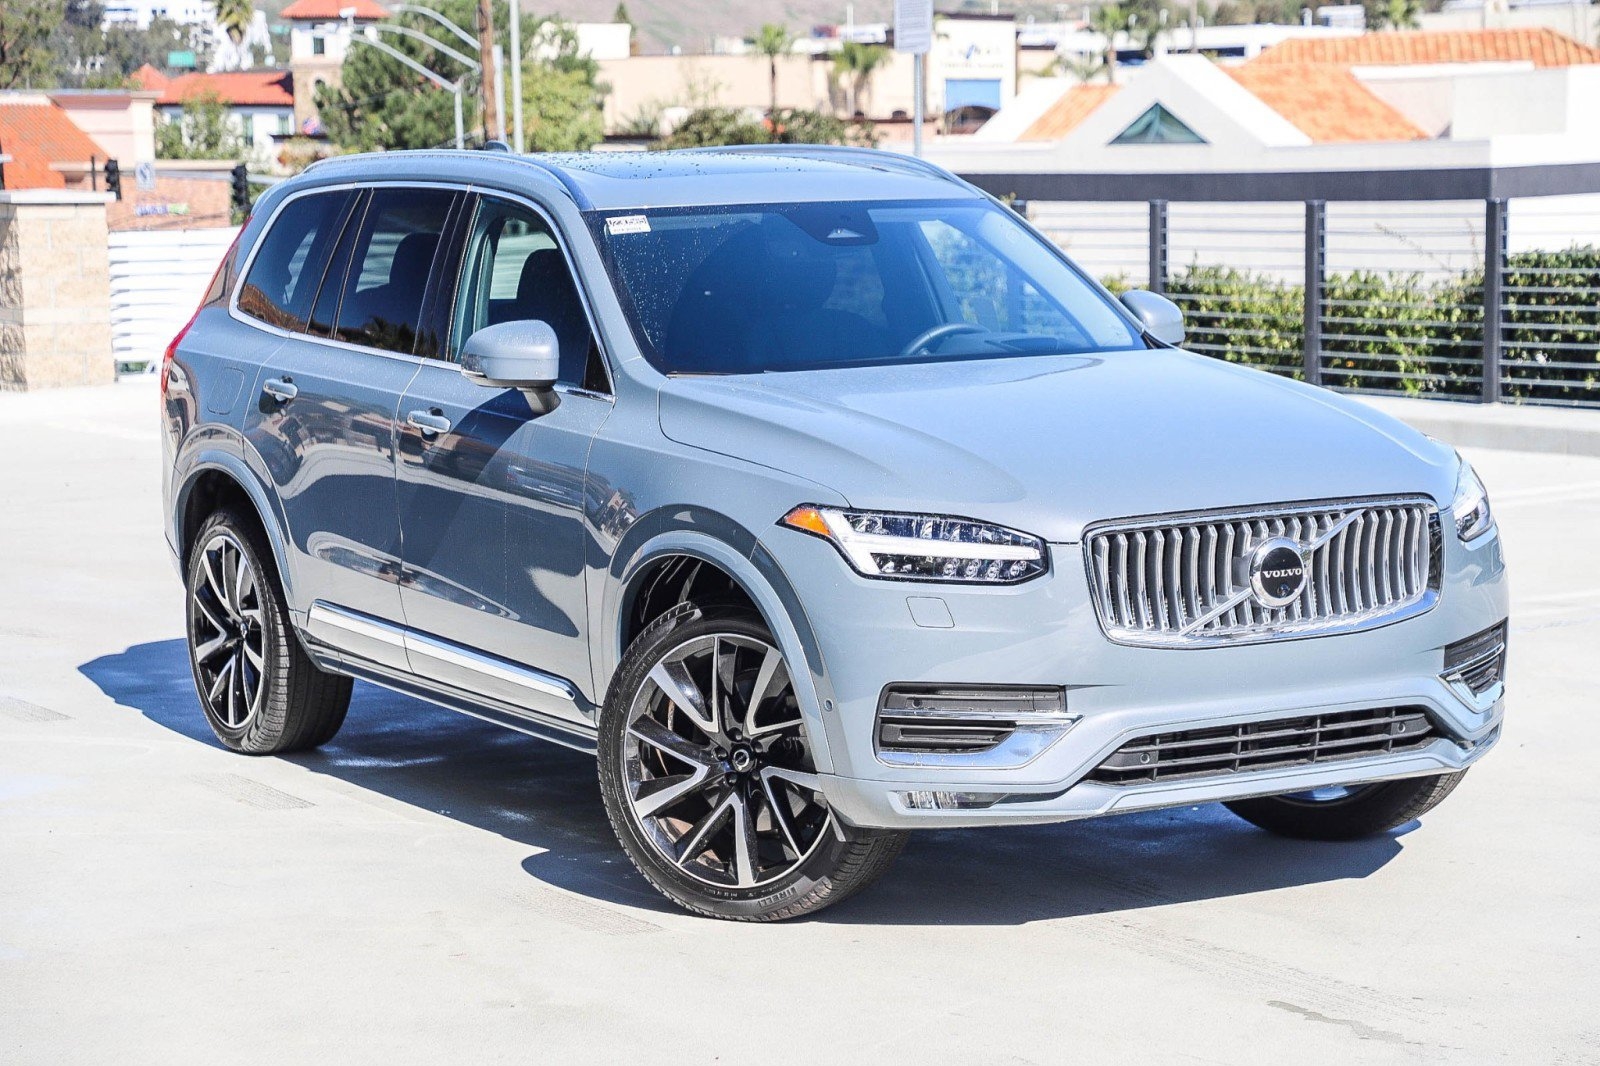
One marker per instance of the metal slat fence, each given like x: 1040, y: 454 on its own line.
x: 1382, y: 298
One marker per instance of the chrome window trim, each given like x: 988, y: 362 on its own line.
x: 1425, y: 602
x: 421, y: 360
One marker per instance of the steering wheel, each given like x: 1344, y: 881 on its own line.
x: 928, y: 337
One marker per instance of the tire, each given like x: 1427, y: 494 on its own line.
x: 682, y: 775
x: 1362, y: 811
x: 273, y: 699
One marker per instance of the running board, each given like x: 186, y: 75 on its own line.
x: 448, y: 673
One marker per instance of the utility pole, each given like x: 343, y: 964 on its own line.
x: 516, y: 75
x: 488, y: 70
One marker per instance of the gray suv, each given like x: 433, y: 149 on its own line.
x: 819, y: 496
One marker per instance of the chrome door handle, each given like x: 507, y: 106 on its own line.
x: 281, y: 389
x: 429, y: 422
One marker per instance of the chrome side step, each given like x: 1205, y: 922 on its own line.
x: 448, y: 673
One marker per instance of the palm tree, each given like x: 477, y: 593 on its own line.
x: 1109, y: 20
x: 1400, y: 15
x: 772, y: 41
x: 235, y: 16
x: 856, y: 62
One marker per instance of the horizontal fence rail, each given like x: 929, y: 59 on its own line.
x: 1369, y: 282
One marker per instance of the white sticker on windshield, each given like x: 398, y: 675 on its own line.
x: 618, y: 224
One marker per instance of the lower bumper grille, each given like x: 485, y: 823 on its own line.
x: 1479, y: 662
x: 1222, y: 750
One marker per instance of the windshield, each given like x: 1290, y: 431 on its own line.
x: 753, y: 289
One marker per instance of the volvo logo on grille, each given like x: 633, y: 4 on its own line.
x: 1277, y: 572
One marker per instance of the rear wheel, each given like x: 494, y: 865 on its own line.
x: 708, y: 777
x: 261, y: 693
x: 1347, y: 812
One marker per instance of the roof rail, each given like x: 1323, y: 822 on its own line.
x: 877, y: 157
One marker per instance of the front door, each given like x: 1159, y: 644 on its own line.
x: 491, y: 493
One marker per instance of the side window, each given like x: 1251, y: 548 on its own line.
x: 514, y: 271
x: 287, y: 269
x: 380, y: 301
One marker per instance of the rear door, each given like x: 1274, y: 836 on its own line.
x: 326, y: 422
x: 491, y: 493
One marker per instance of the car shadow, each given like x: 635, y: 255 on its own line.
x: 546, y: 797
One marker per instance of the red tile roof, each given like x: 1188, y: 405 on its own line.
x: 329, y: 9
x: 1325, y: 102
x: 1541, y: 47
x: 1063, y: 116
x: 249, y: 88
x: 36, y: 135
x: 148, y: 77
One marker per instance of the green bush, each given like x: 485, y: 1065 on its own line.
x: 713, y: 126
x: 1402, y: 333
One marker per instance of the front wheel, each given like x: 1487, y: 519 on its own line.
x: 708, y: 778
x: 1347, y: 812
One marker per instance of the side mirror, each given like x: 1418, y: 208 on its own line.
x: 1160, y: 317
x: 513, y: 355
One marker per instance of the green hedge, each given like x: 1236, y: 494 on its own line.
x: 1403, y: 333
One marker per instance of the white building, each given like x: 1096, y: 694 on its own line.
x: 140, y: 13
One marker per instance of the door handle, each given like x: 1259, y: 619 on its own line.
x: 281, y: 389
x: 428, y: 422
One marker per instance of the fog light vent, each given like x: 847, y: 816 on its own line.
x: 1479, y: 661
x: 962, y: 719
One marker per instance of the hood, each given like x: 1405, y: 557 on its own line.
x: 1049, y: 445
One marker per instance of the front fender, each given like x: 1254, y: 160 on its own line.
x: 722, y: 542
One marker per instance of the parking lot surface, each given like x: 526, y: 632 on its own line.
x: 432, y: 889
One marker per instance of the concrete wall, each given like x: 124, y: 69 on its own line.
x: 55, y: 305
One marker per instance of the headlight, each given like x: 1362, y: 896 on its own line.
x: 924, y: 547
x: 1471, y: 505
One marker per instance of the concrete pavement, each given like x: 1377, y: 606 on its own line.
x: 431, y: 889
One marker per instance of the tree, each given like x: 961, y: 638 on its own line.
x: 1395, y: 15
x: 772, y: 41
x: 201, y: 132
x: 385, y: 105
x: 235, y: 16
x: 26, y: 27
x: 621, y: 15
x: 562, y: 108
x: 1109, y: 20
x: 854, y: 64
x: 709, y: 127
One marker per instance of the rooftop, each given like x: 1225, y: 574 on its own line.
x: 1541, y: 47
x: 37, y: 133
x: 246, y: 88
x: 329, y: 10
x: 1326, y: 102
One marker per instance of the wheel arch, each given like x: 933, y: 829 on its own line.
x: 697, y: 536
x: 216, y: 478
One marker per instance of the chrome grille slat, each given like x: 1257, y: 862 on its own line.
x: 1220, y: 751
x: 1155, y: 579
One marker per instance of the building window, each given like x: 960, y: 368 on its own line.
x: 319, y: 45
x: 1158, y: 126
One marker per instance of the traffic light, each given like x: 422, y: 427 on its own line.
x: 113, y: 178
x: 241, y: 188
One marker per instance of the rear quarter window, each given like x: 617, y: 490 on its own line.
x: 287, y: 269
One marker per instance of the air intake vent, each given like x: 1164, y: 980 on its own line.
x: 963, y: 719
x: 1478, y: 662
x: 1225, y: 750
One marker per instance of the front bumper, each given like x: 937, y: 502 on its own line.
x: 873, y: 633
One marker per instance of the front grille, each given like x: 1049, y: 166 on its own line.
x: 1223, y: 750
x: 1184, y: 579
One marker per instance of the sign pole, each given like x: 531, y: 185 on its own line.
x: 913, y: 33
x: 916, y: 107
